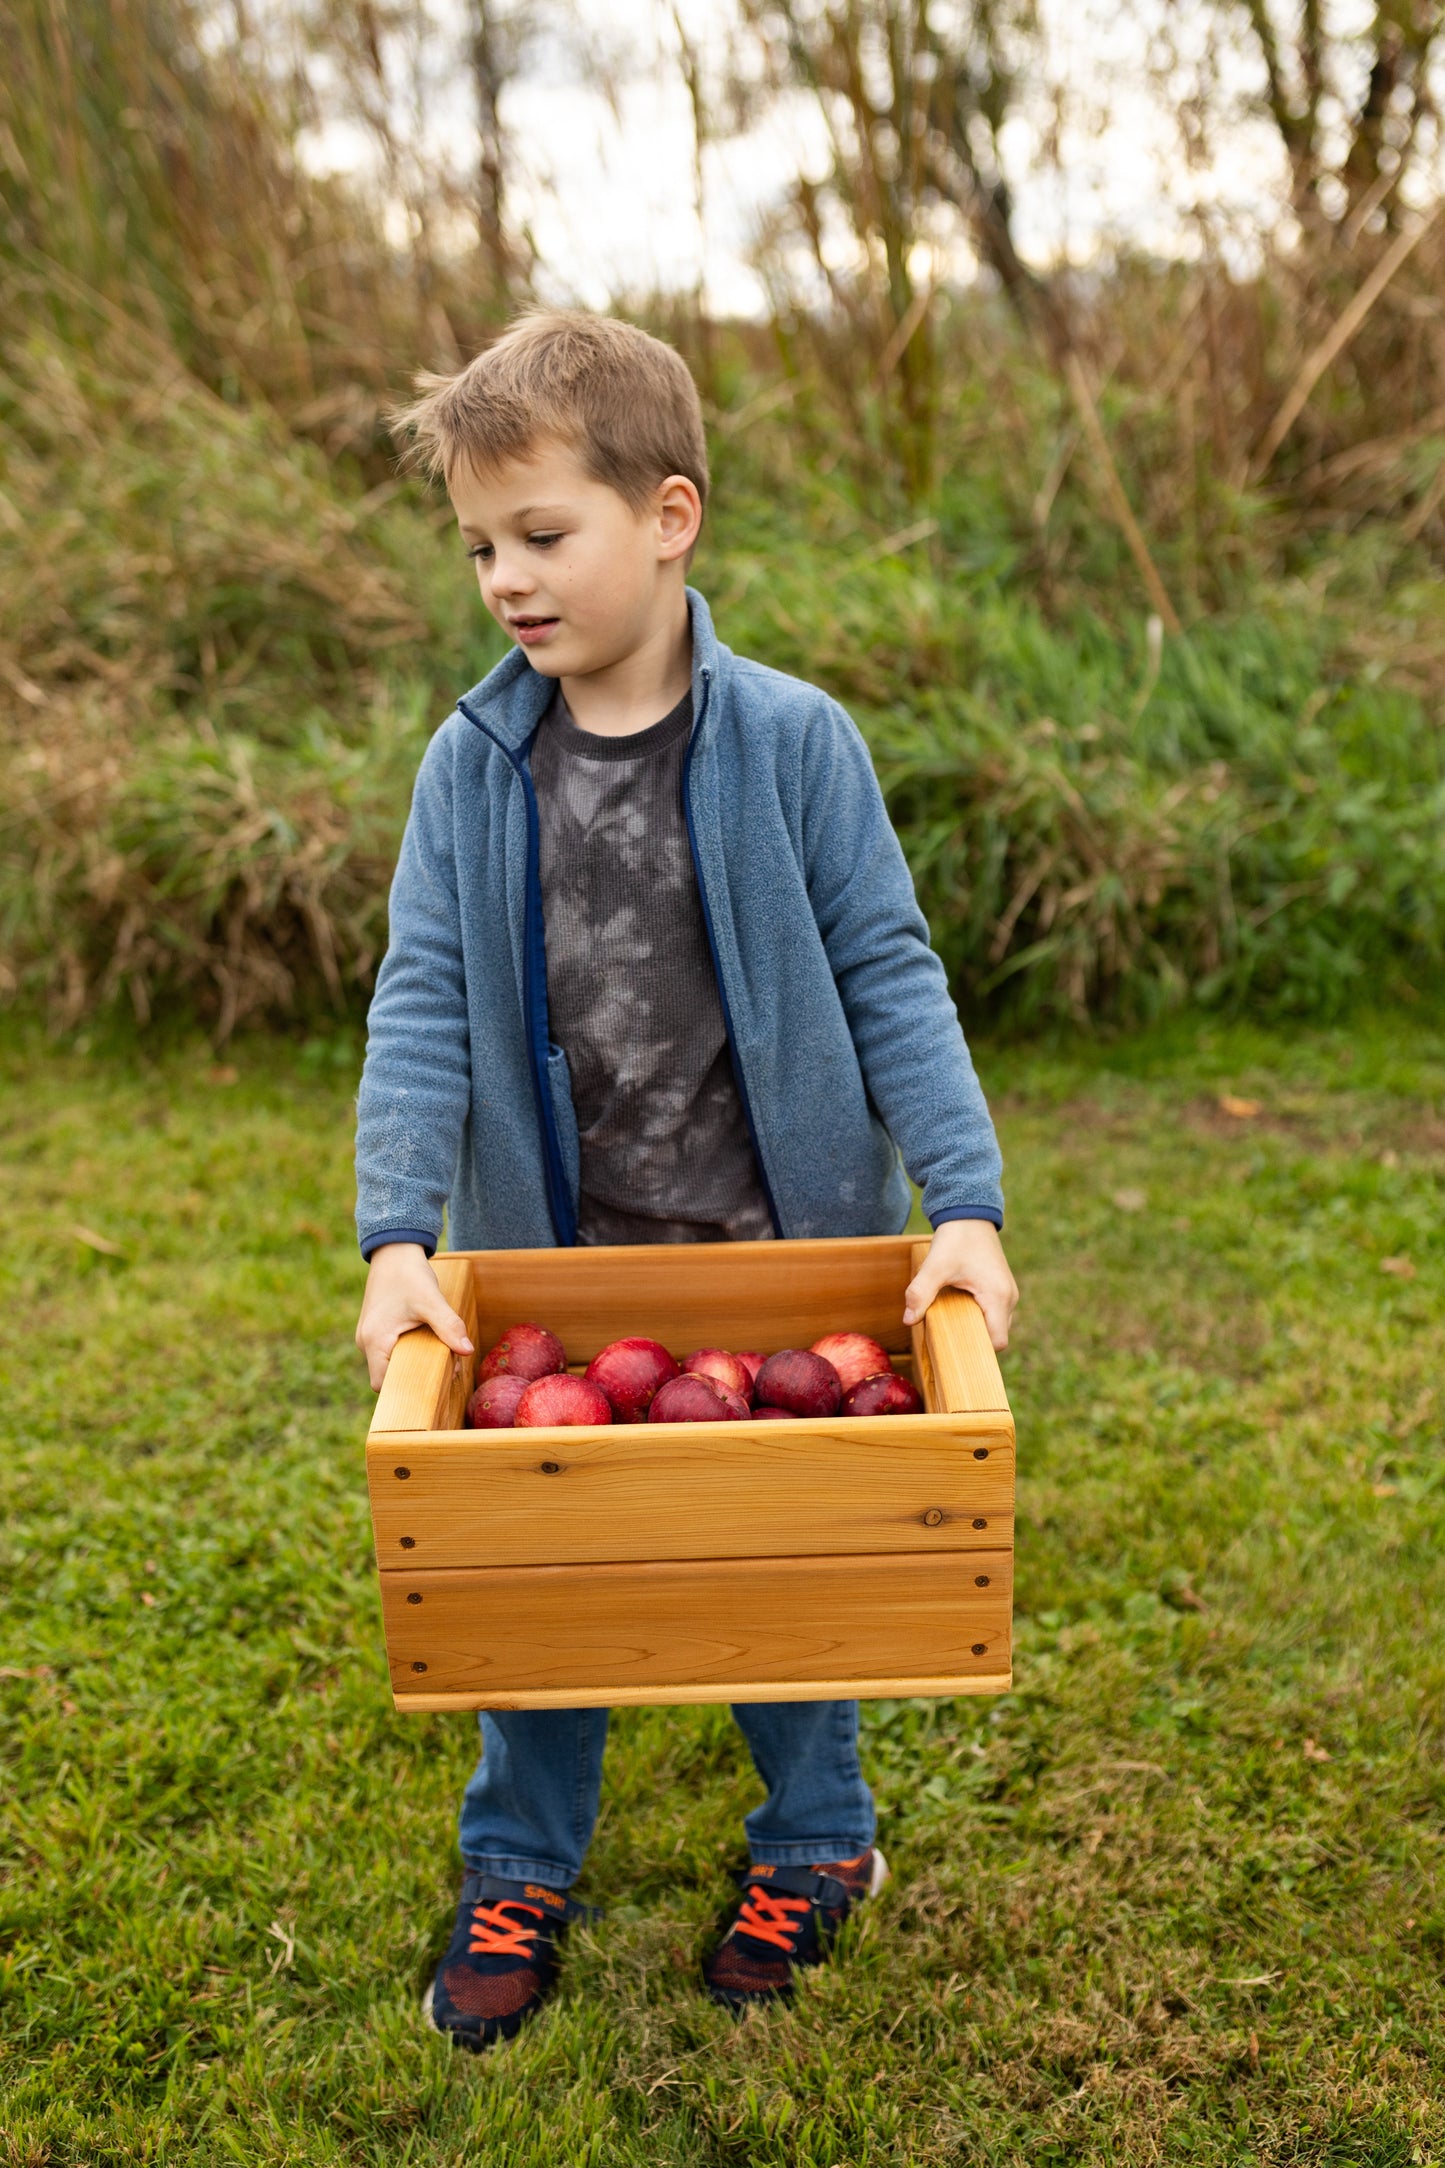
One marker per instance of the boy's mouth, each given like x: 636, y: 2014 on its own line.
x: 529, y: 630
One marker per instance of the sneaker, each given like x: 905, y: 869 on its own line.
x: 787, y: 1919
x: 501, y: 1962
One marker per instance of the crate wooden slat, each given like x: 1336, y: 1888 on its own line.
x: 801, y: 1289
x: 932, y: 1686
x: 591, y: 1631
x: 577, y: 1567
x: 645, y: 1491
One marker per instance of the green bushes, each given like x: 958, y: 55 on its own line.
x: 227, y: 670
x: 219, y: 662
x: 1240, y: 817
x: 1083, y: 878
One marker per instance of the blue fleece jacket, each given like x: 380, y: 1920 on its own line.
x: 845, y: 1041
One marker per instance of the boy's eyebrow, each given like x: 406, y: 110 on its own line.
x: 522, y: 514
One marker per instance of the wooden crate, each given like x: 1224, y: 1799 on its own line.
x: 677, y: 1562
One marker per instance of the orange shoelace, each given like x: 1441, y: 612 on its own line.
x: 771, y: 1918
x: 494, y: 1935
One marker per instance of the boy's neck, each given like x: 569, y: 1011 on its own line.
x: 641, y: 687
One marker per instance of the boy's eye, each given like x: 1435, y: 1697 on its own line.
x: 543, y: 541
x: 480, y: 549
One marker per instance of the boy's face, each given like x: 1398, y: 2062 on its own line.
x: 566, y: 566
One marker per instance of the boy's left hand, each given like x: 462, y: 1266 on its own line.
x: 966, y: 1254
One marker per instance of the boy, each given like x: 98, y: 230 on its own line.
x: 656, y: 974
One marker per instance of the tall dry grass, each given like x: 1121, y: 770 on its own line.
x: 194, y: 634
x: 225, y: 630
x: 207, y: 590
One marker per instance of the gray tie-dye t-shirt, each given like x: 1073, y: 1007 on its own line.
x: 631, y: 992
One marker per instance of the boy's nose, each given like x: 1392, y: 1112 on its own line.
x: 511, y: 577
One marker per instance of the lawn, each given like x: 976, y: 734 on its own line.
x: 1177, y: 1898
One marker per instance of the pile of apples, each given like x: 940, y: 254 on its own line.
x: 524, y: 1381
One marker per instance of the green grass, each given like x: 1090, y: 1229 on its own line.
x: 1177, y: 1898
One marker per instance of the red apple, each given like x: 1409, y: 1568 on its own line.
x: 753, y: 1359
x: 774, y: 1415
x: 526, y: 1351
x: 853, y: 1355
x: 883, y: 1394
x: 737, y: 1406
x: 800, y: 1381
x: 561, y: 1399
x: 493, y: 1406
x: 691, y: 1400
x: 629, y: 1372
x: 729, y: 1371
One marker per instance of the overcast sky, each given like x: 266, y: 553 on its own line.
x: 606, y: 182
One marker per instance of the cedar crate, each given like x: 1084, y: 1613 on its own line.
x: 692, y: 1562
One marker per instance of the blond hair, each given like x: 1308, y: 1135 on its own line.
x: 622, y: 399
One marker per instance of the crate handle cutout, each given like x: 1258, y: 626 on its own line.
x: 426, y: 1386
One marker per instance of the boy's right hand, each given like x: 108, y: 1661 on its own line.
x: 401, y: 1292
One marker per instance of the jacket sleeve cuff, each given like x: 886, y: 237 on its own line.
x: 940, y: 1219
x: 370, y: 1243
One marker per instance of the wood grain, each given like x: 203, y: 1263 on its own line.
x: 966, y: 1378
x: 931, y: 1686
x: 644, y: 1490
x: 426, y: 1387
x: 502, y: 1633
x: 768, y: 1295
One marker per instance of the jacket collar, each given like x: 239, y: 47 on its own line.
x: 512, y: 698
x: 707, y: 649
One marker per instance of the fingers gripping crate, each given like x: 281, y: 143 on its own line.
x: 690, y: 1562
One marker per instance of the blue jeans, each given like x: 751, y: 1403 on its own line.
x: 529, y: 1811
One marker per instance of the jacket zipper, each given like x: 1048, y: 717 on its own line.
x: 534, y: 1004
x: 722, y: 992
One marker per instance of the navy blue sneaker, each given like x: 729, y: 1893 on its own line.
x: 786, y: 1920
x: 501, y: 1962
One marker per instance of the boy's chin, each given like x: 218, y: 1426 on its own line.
x: 549, y: 658
x: 564, y: 657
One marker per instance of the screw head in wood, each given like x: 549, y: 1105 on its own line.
x: 413, y: 1597
x: 933, y: 1516
x: 980, y: 1452
x: 977, y: 1524
x: 401, y: 1474
x: 408, y: 1543
x: 980, y: 1580
x: 980, y: 1648
x: 418, y: 1667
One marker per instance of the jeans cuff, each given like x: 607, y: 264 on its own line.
x: 545, y: 1871
x: 808, y: 1855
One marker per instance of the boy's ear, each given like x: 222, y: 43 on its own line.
x: 679, y: 517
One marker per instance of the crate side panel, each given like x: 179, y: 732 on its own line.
x: 767, y: 1295
x: 649, y: 1627
x: 670, y: 1491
